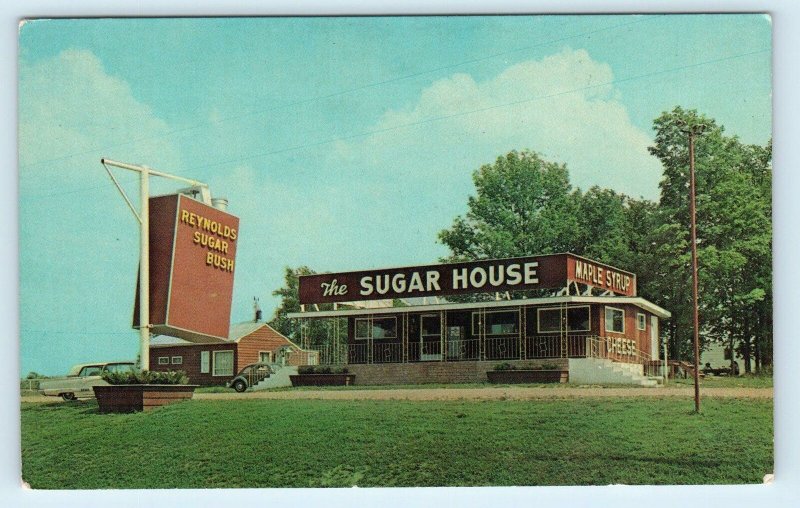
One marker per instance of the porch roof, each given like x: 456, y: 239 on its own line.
x: 555, y: 300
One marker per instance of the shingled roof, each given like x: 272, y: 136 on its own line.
x: 236, y: 332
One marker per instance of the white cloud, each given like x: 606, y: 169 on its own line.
x: 78, y: 241
x: 72, y: 112
x: 562, y: 106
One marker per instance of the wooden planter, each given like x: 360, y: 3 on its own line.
x: 528, y: 376
x: 131, y: 398
x: 322, y: 379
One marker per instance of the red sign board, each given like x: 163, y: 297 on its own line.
x: 192, y: 259
x: 514, y: 274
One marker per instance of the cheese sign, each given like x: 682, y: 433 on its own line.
x: 192, y: 261
x: 499, y: 275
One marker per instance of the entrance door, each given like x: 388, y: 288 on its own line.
x: 430, y: 338
x: 455, y: 334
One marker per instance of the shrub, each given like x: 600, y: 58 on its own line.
x: 504, y: 366
x: 146, y: 377
x: 549, y: 366
x: 321, y: 369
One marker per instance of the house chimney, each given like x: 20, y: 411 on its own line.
x: 257, y: 309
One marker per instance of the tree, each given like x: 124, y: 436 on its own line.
x: 526, y: 206
x: 734, y: 234
x: 523, y: 205
x: 315, y: 333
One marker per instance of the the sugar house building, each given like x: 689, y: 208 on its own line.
x: 553, y: 312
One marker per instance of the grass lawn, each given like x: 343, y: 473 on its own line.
x: 320, y: 443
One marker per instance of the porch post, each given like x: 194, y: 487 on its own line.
x: 520, y: 331
x: 443, y: 330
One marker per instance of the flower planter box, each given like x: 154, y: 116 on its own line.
x: 528, y: 376
x: 322, y: 379
x: 131, y: 398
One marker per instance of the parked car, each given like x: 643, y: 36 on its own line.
x: 250, y: 375
x: 80, y: 380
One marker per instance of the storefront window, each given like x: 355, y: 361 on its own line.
x: 615, y: 320
x: 382, y: 328
x: 496, y: 322
x: 549, y: 319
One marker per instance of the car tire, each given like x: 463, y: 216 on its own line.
x: 239, y: 385
x: 68, y: 396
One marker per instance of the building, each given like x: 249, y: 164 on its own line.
x: 592, y: 323
x: 217, y: 363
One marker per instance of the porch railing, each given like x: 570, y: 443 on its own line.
x: 495, y: 348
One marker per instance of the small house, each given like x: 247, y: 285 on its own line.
x: 217, y: 363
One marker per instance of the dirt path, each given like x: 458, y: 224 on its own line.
x: 489, y: 393
x: 500, y: 393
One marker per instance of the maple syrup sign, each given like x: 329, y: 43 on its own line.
x: 514, y: 274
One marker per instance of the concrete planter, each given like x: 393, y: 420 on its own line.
x: 132, y: 398
x: 528, y: 376
x: 322, y: 379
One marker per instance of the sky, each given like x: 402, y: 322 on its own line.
x: 340, y: 143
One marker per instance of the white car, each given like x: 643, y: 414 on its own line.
x: 80, y: 380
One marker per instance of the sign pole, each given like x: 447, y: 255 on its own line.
x: 143, y: 216
x: 144, y: 268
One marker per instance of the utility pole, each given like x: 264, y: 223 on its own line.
x: 143, y: 216
x: 693, y: 131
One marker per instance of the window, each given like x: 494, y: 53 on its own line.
x: 382, y: 328
x: 177, y: 360
x: 578, y: 319
x: 641, y: 321
x: 430, y: 326
x: 205, y: 362
x: 223, y: 363
x: 265, y: 356
x: 549, y: 319
x: 615, y: 320
x: 93, y: 370
x: 119, y: 367
x: 501, y: 322
x: 163, y: 360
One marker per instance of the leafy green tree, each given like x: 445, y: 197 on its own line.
x: 315, y: 333
x: 523, y: 205
x: 734, y: 235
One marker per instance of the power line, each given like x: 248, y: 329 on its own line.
x: 479, y: 110
x: 344, y: 92
x: 445, y: 117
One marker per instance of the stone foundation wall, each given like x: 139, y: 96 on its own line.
x: 438, y: 372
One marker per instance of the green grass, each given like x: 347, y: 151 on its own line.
x: 729, y: 382
x: 319, y: 443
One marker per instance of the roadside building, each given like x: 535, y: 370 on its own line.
x: 216, y: 363
x: 591, y: 324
